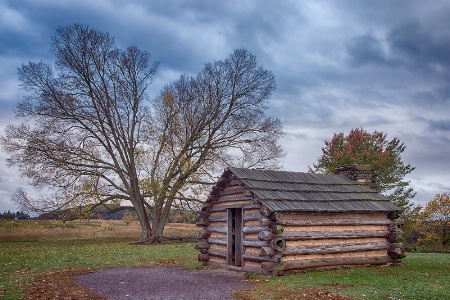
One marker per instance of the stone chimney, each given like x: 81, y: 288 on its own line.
x: 359, y: 173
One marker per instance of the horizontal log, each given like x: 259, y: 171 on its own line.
x: 235, y: 182
x: 202, y: 245
x: 245, y: 242
x: 227, y: 192
x: 245, y: 206
x: 219, y: 229
x: 218, y: 219
x: 255, y: 243
x: 257, y: 258
x: 325, y: 262
x: 267, y: 251
x: 265, y: 235
x: 250, y: 230
x: 203, y: 234
x: 234, y: 199
x: 204, y: 257
x: 251, y: 217
x: 217, y: 241
x: 217, y: 253
x: 347, y: 234
x: 332, y: 249
x: 330, y: 222
x: 278, y: 244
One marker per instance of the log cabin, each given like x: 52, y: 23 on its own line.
x: 271, y: 222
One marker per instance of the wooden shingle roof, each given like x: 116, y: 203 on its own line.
x: 296, y: 191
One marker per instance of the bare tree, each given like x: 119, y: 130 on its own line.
x: 89, y: 135
x: 84, y: 124
x: 216, y: 118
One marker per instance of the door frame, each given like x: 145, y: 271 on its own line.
x: 235, y: 247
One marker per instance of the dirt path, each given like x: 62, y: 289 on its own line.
x: 164, y: 283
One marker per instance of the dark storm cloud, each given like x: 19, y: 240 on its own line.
x: 383, y: 65
x: 367, y: 50
x: 421, y: 48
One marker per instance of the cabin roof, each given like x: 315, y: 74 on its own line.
x: 297, y: 191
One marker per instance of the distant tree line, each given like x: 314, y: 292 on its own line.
x: 8, y: 215
x: 108, y: 213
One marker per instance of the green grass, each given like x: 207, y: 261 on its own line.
x: 30, y: 249
x: 20, y: 260
x: 425, y: 276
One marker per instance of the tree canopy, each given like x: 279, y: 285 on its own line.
x: 214, y: 119
x: 375, y: 150
x: 92, y: 135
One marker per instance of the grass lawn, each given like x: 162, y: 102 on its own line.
x: 30, y: 252
x: 425, y: 276
x: 31, y: 249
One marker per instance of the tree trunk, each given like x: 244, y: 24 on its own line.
x: 160, y: 219
x: 146, y: 230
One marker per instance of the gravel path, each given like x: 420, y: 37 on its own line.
x: 164, y: 283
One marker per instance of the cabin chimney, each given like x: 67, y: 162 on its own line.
x: 359, y: 173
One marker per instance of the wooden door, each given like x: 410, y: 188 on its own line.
x: 234, y: 247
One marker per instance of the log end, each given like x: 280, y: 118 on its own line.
x: 204, y: 257
x: 278, y: 244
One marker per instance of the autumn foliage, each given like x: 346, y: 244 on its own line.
x: 375, y: 150
x: 436, y: 216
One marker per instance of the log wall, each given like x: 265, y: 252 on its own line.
x: 213, y: 238
x: 312, y: 239
x: 274, y: 242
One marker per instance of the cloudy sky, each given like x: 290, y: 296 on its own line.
x: 382, y: 65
